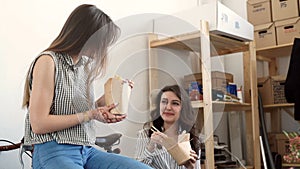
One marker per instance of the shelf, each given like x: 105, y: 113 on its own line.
x: 275, y: 51
x: 282, y: 105
x: 207, y: 44
x: 224, y: 106
x: 220, y: 45
x: 290, y: 165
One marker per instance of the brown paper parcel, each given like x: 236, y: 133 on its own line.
x: 180, y: 150
x: 116, y: 90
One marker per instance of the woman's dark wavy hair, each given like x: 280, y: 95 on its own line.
x: 187, y: 115
x: 88, y: 31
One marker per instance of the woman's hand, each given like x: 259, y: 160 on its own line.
x: 104, y: 115
x: 130, y: 83
x: 156, y: 139
x: 190, y: 164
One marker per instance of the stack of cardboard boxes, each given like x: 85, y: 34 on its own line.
x: 276, y: 22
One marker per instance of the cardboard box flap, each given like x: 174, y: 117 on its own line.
x: 263, y: 27
x: 262, y: 80
x: 252, y: 2
x: 287, y: 22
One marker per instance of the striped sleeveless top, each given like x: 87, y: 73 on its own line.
x: 70, y: 97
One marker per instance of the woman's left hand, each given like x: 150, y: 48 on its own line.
x: 130, y: 83
x: 104, y: 115
x: 190, y: 164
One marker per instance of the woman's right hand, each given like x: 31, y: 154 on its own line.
x: 157, y: 137
x: 104, y: 115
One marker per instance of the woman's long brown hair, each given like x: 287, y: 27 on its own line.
x: 88, y: 31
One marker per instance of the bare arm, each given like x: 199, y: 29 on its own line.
x: 41, y: 99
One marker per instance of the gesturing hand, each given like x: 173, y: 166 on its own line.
x: 104, y: 115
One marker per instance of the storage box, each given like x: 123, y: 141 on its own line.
x: 284, y: 9
x: 278, y: 143
x: 287, y: 30
x: 271, y: 89
x: 265, y: 35
x: 221, y: 20
x: 219, y: 79
x: 259, y: 11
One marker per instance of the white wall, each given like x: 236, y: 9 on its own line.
x: 28, y: 27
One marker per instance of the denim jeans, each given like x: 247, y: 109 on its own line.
x: 52, y: 155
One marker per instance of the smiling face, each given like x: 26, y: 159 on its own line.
x: 170, y: 107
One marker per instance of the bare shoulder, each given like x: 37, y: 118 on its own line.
x: 44, y: 63
x: 45, y: 60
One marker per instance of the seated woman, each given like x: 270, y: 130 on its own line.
x: 173, y: 115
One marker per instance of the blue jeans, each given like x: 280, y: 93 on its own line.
x: 52, y: 155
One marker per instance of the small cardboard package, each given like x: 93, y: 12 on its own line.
x: 117, y: 91
x: 180, y: 150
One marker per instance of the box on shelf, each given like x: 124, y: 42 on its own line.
x: 278, y: 143
x: 265, y: 35
x: 219, y: 79
x: 284, y: 9
x: 287, y: 30
x: 222, y: 21
x: 271, y: 89
x: 259, y: 11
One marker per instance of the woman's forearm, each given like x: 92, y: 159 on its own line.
x: 52, y: 123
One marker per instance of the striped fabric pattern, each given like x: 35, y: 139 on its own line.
x: 159, y: 159
x: 70, y: 98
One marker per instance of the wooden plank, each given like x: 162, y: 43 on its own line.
x: 152, y: 63
x: 248, y: 114
x: 254, y: 101
x: 290, y: 165
x: 262, y: 58
x: 207, y: 96
x: 276, y: 51
x: 219, y: 45
x: 276, y: 106
x: 219, y: 106
x: 276, y: 120
x: 273, y: 70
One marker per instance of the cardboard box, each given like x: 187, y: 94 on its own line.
x: 116, y: 90
x: 287, y: 30
x: 259, y: 11
x: 284, y: 9
x: 221, y: 20
x: 271, y: 89
x: 219, y: 79
x: 278, y: 143
x: 265, y: 35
